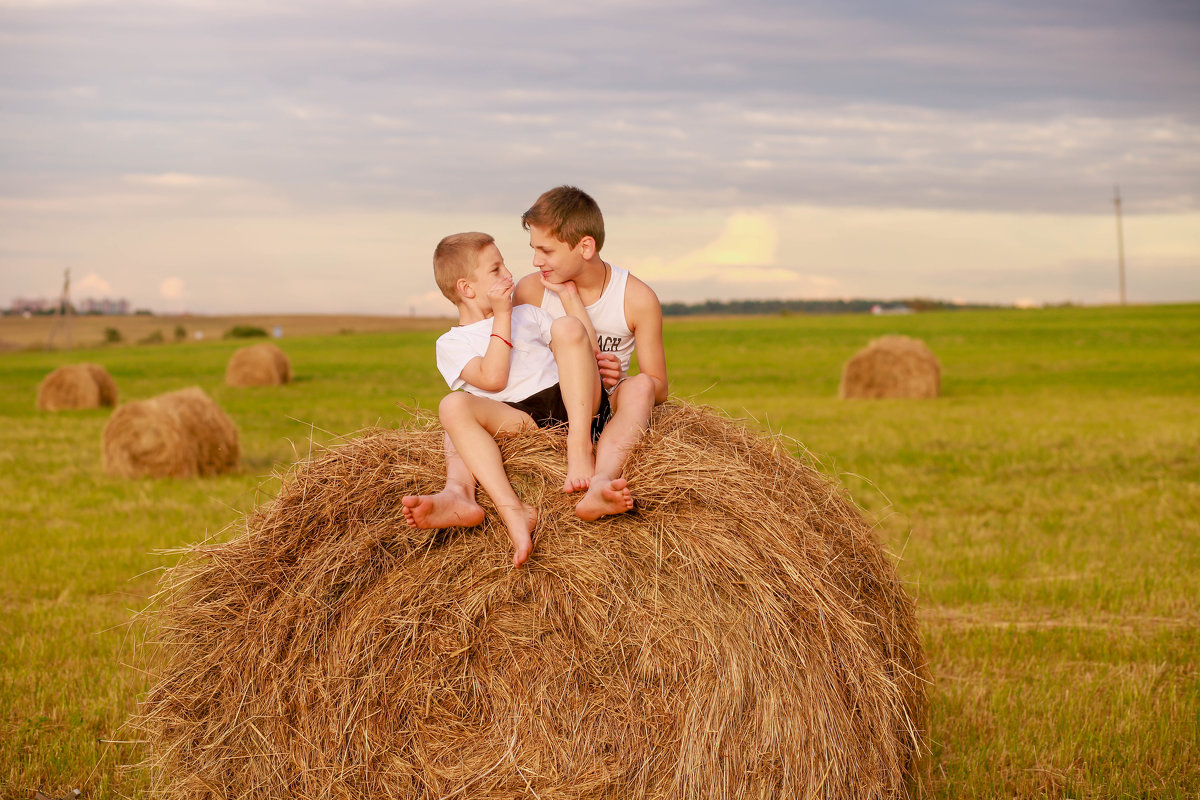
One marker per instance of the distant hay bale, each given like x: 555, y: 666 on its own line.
x: 77, y: 386
x: 892, y: 366
x: 261, y: 364
x: 180, y: 434
x: 739, y: 634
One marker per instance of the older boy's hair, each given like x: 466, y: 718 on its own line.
x: 568, y: 214
x: 454, y: 258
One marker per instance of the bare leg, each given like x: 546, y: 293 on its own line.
x: 472, y: 424
x: 452, y: 507
x: 579, y: 382
x: 608, y: 493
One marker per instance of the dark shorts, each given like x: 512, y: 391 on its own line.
x: 547, y: 409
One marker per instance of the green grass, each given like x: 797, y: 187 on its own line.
x: 1046, y: 508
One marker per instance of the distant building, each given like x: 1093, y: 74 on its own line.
x: 106, y: 306
x: 29, y: 305
x: 882, y: 309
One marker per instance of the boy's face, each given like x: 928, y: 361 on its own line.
x: 489, y: 271
x: 552, y: 257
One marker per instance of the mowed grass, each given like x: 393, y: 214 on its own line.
x: 1045, y: 512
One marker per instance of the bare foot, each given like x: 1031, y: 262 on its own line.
x: 603, y: 498
x: 580, y: 464
x: 520, y: 521
x: 441, y: 510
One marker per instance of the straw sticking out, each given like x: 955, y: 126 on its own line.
x: 740, y: 634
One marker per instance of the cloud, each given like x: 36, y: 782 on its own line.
x: 429, y: 304
x: 93, y: 284
x: 179, y: 180
x: 171, y: 288
x: 742, y: 253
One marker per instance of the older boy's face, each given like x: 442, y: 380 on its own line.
x: 552, y: 257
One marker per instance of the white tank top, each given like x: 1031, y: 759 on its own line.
x: 607, y: 315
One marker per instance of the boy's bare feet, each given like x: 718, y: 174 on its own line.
x: 520, y: 521
x: 580, y: 464
x: 604, y: 497
x: 445, y: 509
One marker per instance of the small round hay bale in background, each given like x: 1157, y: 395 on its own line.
x: 739, y: 634
x: 77, y: 386
x: 892, y: 366
x: 179, y: 434
x: 261, y: 364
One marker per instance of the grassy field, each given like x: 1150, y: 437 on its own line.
x: 1045, y: 510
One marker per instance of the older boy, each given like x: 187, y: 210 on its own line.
x: 519, y: 368
x: 566, y: 232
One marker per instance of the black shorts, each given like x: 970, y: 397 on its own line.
x: 547, y: 409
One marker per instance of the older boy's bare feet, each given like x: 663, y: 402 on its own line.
x: 520, y: 521
x: 604, y: 497
x: 580, y: 465
x: 442, y: 510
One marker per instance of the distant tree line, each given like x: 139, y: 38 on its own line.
x: 812, y: 306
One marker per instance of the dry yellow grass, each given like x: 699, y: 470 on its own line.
x: 181, y: 434
x: 74, y: 386
x: 740, y: 634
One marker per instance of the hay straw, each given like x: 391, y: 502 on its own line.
x: 739, y: 635
x: 892, y: 366
x: 74, y: 386
x: 262, y: 364
x: 180, y: 434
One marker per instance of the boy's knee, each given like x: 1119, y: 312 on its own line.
x: 637, y: 389
x: 452, y: 407
x: 567, y: 330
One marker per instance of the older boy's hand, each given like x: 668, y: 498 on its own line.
x: 563, y: 290
x: 610, y: 369
x: 500, y: 295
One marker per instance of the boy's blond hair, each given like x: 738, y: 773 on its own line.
x: 455, y: 257
x: 568, y: 214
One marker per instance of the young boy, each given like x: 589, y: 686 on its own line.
x: 566, y: 232
x: 519, y: 368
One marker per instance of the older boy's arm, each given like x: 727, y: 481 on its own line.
x: 644, y: 314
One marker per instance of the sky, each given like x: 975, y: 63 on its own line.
x: 296, y: 156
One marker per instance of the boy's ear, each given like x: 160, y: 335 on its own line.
x: 464, y: 288
x: 587, y: 247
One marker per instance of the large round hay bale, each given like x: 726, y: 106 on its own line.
x: 892, y: 366
x: 262, y: 364
x: 76, y: 386
x: 179, y: 434
x: 739, y: 634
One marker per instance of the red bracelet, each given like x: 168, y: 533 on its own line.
x: 501, y: 338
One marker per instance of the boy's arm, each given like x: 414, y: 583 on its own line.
x: 490, y: 371
x: 643, y: 312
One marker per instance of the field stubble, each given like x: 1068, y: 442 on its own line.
x: 1046, y: 511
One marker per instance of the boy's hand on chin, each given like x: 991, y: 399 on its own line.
x: 564, y: 289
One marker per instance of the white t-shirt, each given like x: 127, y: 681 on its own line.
x: 531, y: 367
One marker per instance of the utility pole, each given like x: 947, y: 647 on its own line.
x: 62, y: 312
x: 1120, y: 242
